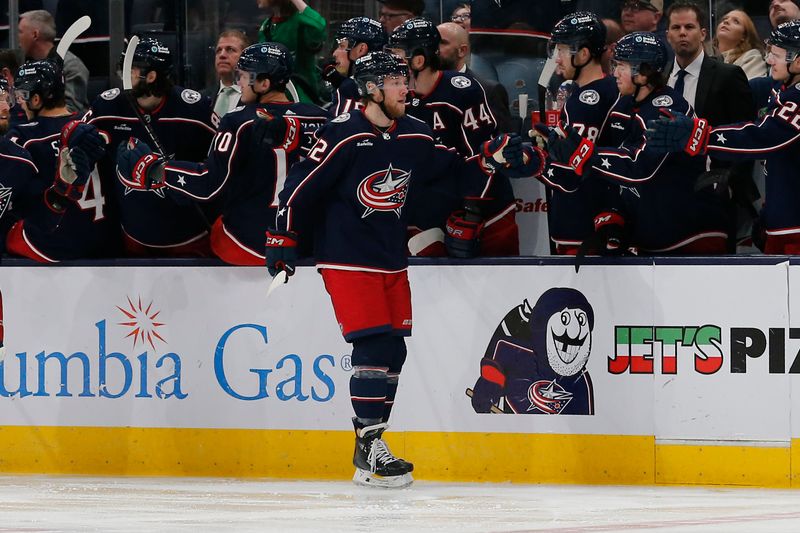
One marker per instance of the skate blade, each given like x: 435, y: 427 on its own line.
x: 368, y: 479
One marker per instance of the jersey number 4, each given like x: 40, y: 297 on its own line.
x: 93, y: 196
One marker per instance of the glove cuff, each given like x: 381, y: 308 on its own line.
x: 281, y: 239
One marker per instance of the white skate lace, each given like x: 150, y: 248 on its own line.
x: 379, y: 452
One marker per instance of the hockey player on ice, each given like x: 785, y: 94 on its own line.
x: 356, y: 179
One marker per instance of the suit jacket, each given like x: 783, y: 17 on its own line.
x: 497, y: 97
x: 723, y: 93
x: 724, y: 97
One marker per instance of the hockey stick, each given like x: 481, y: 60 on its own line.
x: 292, y: 90
x: 72, y: 33
x: 493, y: 409
x: 2, y: 334
x: 279, y: 279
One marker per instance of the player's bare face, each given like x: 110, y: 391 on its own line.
x: 776, y: 59
x: 395, y: 89
x: 342, y: 56
x: 242, y: 79
x: 5, y: 108
x: 562, y: 54
x: 623, y: 74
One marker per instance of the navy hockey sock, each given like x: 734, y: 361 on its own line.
x: 368, y: 388
x: 393, y: 376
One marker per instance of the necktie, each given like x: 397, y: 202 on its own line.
x: 222, y: 105
x: 679, y: 81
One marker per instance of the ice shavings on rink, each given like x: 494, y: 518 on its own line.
x: 43, y: 503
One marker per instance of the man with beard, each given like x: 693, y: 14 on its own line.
x: 454, y: 55
x: 19, y: 188
x: 53, y: 230
x: 781, y: 11
x: 356, y: 38
x: 246, y: 174
x: 577, y: 44
x: 157, y: 222
x: 454, y: 106
x: 357, y: 178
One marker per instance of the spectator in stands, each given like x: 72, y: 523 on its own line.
x: 9, y: 64
x: 37, y: 33
x: 462, y: 15
x: 781, y: 11
x: 454, y: 55
x: 641, y: 15
x: 303, y: 31
x: 395, y: 12
x: 613, y: 34
x: 225, y: 93
x: 738, y: 42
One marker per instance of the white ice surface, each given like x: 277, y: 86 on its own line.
x: 40, y: 503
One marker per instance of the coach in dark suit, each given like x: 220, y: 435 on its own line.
x: 719, y: 92
x: 453, y: 53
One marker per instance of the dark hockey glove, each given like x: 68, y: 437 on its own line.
x: 609, y: 227
x: 77, y: 134
x: 570, y: 149
x: 281, y: 251
x: 72, y: 173
x: 463, y: 230
x: 502, y: 151
x: 330, y: 74
x: 138, y: 167
x: 276, y: 131
x: 675, y: 132
x: 489, y: 387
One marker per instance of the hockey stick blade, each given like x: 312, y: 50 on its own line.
x: 72, y: 33
x: 279, y: 279
x: 127, y: 63
x: 493, y: 409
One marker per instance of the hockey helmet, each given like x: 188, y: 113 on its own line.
x: 375, y: 67
x: 787, y: 36
x: 417, y: 36
x: 580, y: 30
x: 641, y: 48
x: 43, y: 77
x: 152, y: 54
x: 362, y: 30
x: 272, y: 60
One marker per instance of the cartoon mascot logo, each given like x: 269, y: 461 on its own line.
x: 536, y: 360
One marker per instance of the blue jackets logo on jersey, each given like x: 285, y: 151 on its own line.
x: 384, y: 190
x: 535, y: 362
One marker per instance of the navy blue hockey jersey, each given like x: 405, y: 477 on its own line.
x: 345, y: 98
x: 774, y: 138
x: 457, y: 112
x: 19, y: 186
x: 41, y: 138
x: 159, y: 218
x: 247, y: 176
x: 357, y: 178
x: 588, y: 111
x: 658, y: 196
x: 87, y: 227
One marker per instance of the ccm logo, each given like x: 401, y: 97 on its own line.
x: 144, y: 162
x: 697, y: 136
x: 275, y: 241
x: 291, y: 134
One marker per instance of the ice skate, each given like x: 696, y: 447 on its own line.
x: 375, y: 464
